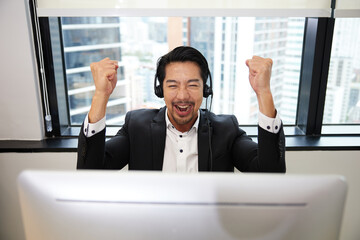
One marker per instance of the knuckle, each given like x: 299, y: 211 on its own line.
x: 94, y: 66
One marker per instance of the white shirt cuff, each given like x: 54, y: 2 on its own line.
x: 270, y: 124
x: 90, y: 129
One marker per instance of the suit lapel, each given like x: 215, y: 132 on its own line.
x: 203, y: 143
x: 158, y: 135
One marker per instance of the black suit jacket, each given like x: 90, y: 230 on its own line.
x: 140, y: 143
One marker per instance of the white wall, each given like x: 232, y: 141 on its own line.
x: 11, y: 164
x: 345, y: 163
x: 19, y: 92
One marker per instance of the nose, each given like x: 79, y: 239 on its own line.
x: 182, y: 93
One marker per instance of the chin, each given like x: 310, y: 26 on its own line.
x: 184, y: 120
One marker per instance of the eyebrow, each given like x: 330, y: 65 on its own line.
x: 193, y: 80
x: 170, y: 81
x: 189, y: 81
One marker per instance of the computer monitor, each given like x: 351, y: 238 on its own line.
x: 154, y: 205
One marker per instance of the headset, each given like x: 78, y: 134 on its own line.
x: 206, y: 92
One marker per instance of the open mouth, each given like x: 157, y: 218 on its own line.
x: 183, y: 110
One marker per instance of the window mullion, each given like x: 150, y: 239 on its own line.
x: 314, y: 73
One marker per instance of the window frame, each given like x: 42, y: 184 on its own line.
x: 316, y: 53
x: 314, y: 73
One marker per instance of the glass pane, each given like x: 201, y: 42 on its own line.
x: 226, y: 42
x: 342, y: 103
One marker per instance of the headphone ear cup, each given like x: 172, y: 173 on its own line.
x: 159, y: 91
x: 207, y: 91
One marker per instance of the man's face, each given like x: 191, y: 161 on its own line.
x: 183, y: 93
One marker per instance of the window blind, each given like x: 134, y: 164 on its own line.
x: 347, y: 8
x: 278, y: 8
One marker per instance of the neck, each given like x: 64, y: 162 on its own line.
x: 182, y: 126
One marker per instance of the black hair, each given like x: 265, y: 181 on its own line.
x: 182, y: 54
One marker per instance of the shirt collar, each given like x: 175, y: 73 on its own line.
x: 169, y: 124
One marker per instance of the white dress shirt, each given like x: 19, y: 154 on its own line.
x: 181, y: 149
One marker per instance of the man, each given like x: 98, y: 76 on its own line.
x: 181, y: 137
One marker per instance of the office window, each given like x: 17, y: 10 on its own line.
x: 137, y: 43
x: 342, y: 104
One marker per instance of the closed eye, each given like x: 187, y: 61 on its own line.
x: 171, y: 83
x: 194, y: 83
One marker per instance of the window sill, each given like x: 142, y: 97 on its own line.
x: 295, y: 141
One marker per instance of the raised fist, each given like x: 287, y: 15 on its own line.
x: 104, y: 74
x: 259, y: 74
x: 259, y: 77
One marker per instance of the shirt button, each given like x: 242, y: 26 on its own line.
x: 181, y: 150
x: 85, y: 129
x: 276, y: 127
x: 268, y: 127
x: 93, y: 131
x: 180, y: 136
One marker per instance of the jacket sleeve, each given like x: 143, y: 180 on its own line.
x: 96, y: 153
x: 90, y: 150
x: 271, y: 151
x: 268, y: 155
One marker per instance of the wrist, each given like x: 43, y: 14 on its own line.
x: 266, y: 104
x: 101, y: 95
x: 98, y: 107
